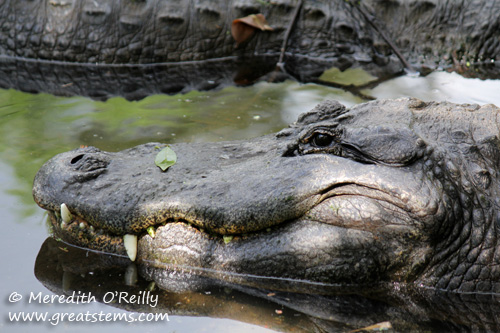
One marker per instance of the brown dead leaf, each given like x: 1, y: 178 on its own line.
x: 243, y: 28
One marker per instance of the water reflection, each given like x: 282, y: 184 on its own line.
x: 442, y: 86
x: 286, y: 306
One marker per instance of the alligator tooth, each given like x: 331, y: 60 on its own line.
x: 65, y: 213
x: 130, y: 243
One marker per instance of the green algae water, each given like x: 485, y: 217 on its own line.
x: 35, y: 127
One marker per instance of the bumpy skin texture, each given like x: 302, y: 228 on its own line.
x: 442, y: 31
x: 161, y: 31
x: 388, y: 191
x: 109, y: 37
x: 126, y: 32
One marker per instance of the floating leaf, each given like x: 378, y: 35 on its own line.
x: 165, y: 158
x: 354, y: 76
x: 383, y: 326
x: 244, y: 27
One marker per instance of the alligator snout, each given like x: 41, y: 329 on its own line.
x: 70, y: 168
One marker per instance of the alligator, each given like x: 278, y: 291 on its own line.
x: 390, y: 192
x: 103, y: 48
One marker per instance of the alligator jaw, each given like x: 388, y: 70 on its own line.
x: 75, y: 230
x: 78, y: 231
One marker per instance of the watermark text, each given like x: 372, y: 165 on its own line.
x: 85, y: 317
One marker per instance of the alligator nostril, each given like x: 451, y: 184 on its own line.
x: 89, y: 162
x: 76, y: 158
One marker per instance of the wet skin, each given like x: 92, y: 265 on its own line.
x: 388, y: 191
x: 136, y: 49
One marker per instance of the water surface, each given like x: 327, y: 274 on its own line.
x: 33, y: 128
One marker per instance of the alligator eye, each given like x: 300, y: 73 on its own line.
x: 322, y: 140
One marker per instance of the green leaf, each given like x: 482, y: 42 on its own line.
x: 151, y: 231
x: 165, y: 158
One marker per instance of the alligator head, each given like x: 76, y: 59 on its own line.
x: 387, y: 191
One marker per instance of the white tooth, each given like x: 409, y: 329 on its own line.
x: 131, y: 275
x: 65, y: 213
x: 130, y: 243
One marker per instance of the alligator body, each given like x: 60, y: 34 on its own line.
x: 137, y: 48
x: 388, y: 191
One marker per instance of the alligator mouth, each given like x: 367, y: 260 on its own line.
x: 77, y: 231
x: 345, y: 189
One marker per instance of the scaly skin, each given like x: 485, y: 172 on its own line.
x: 388, y: 191
x: 127, y: 32
x: 102, y: 48
x: 143, y: 32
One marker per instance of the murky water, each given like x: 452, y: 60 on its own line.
x: 34, y: 128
